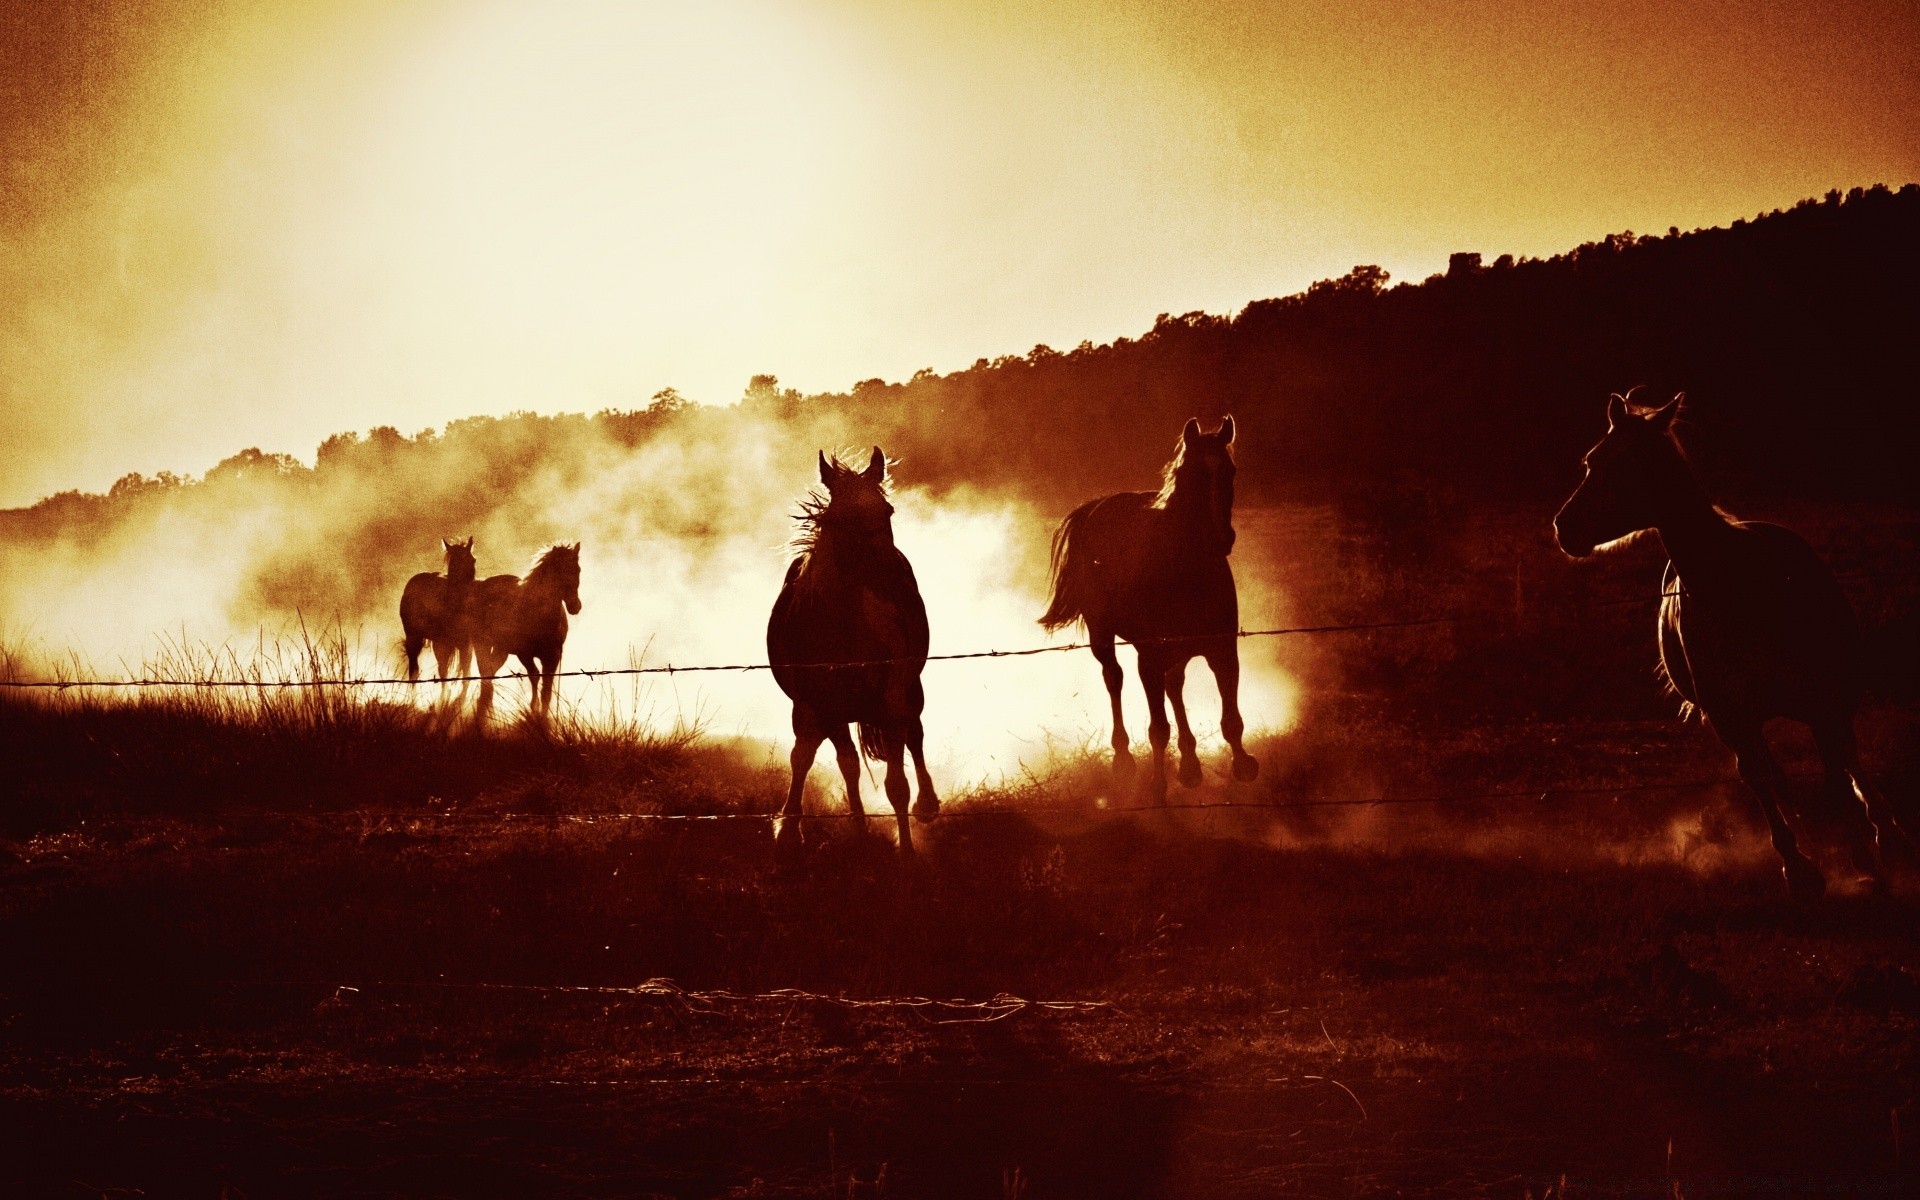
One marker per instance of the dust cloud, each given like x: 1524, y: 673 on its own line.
x: 683, y: 513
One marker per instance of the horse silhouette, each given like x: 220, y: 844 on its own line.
x: 1152, y: 568
x: 526, y: 619
x: 433, y: 609
x: 1753, y: 626
x: 847, y: 642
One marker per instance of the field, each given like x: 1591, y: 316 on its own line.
x: 336, y: 953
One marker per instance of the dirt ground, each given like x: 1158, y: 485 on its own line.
x: 1602, y: 994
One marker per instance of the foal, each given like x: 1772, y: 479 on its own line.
x: 1753, y: 626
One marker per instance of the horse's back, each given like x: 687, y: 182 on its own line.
x: 423, y: 603
x: 1769, y: 635
x: 878, y: 621
x: 1149, y: 579
x: 492, y: 611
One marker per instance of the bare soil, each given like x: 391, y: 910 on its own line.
x: 1595, y: 994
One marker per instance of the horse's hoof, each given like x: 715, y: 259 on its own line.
x: 1122, y: 765
x: 786, y: 833
x: 1804, y: 882
x: 1246, y: 768
x: 1189, y: 771
x: 1899, y: 849
x: 926, y: 807
x: 1153, y: 788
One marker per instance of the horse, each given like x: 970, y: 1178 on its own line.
x: 527, y: 619
x: 847, y: 641
x: 433, y: 608
x: 1751, y: 626
x: 1151, y: 567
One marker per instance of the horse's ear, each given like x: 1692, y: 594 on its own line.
x: 445, y: 544
x: 576, y: 548
x: 826, y: 469
x: 1191, y: 434
x: 1226, y: 430
x: 469, y: 541
x: 876, y: 467
x: 1616, y: 411
x: 1662, y: 417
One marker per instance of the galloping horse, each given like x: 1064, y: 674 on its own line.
x: 1152, y: 568
x: 1752, y: 626
x: 526, y: 618
x: 850, y: 598
x: 433, y: 608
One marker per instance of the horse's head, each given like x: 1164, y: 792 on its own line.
x: 559, y: 570
x: 856, y: 509
x: 1628, y: 471
x: 460, y: 562
x: 1201, y: 473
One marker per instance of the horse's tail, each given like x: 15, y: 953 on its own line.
x: 1072, y: 570
x: 874, y: 741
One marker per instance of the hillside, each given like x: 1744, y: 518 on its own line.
x: 1435, y: 425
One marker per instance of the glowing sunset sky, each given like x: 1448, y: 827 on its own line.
x: 233, y: 224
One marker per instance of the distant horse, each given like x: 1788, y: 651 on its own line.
x: 1152, y: 568
x: 1753, y: 626
x: 850, y: 598
x: 433, y: 608
x: 527, y: 619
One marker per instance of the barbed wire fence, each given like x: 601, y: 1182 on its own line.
x: 1536, y: 793
x: 592, y: 673
x: 9, y: 682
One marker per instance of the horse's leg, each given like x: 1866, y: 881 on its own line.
x: 1153, y: 681
x: 463, y: 666
x: 926, y: 804
x: 847, y: 751
x: 1225, y: 663
x: 1869, y: 815
x: 530, y: 667
x: 412, y: 645
x: 1176, y: 678
x: 441, y: 655
x: 1101, y: 640
x: 807, y: 736
x: 1834, y: 743
x: 1762, y: 774
x: 490, y: 661
x: 897, y: 787
x: 546, y: 680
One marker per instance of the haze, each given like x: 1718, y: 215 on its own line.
x: 255, y: 224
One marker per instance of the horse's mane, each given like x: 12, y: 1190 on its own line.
x: 548, y: 561
x: 1170, y: 474
x: 813, y: 507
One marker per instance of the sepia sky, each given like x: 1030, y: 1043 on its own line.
x: 250, y: 223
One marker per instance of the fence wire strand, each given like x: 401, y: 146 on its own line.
x: 675, y: 669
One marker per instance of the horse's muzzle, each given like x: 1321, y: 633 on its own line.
x: 573, y: 606
x: 1572, y: 545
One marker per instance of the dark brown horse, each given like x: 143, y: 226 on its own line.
x: 850, y: 598
x: 1151, y: 567
x: 1753, y: 627
x: 433, y: 609
x: 527, y: 619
